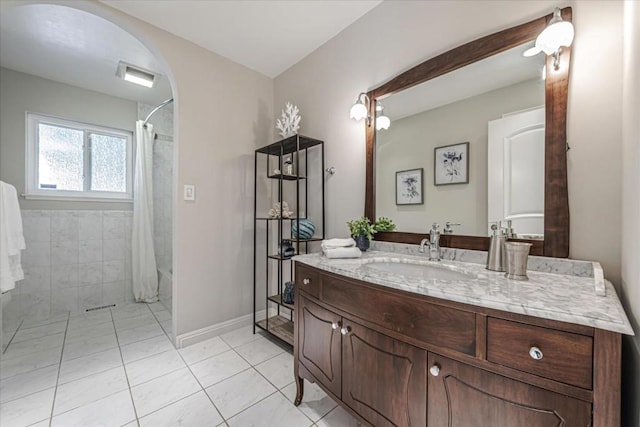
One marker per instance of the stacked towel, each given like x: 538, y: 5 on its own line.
x: 11, y: 238
x: 340, y: 248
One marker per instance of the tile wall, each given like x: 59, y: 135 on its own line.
x: 75, y: 260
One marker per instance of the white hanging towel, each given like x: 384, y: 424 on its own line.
x: 11, y: 238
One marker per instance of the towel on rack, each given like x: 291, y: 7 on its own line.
x: 351, y: 252
x: 11, y: 238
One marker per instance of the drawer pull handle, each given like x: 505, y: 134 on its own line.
x: 535, y: 353
x: 306, y: 281
x: 335, y: 325
x: 435, y: 370
x: 345, y: 330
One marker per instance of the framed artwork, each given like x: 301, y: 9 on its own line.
x: 451, y: 164
x: 409, y: 187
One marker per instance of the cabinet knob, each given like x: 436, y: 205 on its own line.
x: 435, y: 370
x: 306, y: 281
x: 345, y: 330
x: 335, y: 325
x: 535, y: 353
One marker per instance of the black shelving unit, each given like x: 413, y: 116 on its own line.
x: 278, y: 269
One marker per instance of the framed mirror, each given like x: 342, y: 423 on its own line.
x: 488, y: 128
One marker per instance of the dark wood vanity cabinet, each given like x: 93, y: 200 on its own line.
x: 393, y: 358
x: 461, y: 395
x: 382, y: 379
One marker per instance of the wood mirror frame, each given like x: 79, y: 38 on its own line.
x: 556, y: 197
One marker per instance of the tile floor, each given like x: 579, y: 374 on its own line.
x: 118, y: 368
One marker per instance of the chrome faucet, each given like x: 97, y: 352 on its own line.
x: 434, y: 243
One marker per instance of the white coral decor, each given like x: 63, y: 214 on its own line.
x: 290, y: 122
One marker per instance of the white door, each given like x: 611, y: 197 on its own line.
x: 516, y: 171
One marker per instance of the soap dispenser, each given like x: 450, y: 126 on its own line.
x: 497, y: 256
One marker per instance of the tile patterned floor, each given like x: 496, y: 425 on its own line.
x: 119, y: 368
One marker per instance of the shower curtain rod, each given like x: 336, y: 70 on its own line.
x: 165, y: 103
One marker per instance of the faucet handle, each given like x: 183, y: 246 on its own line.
x: 435, y: 226
x: 448, y: 227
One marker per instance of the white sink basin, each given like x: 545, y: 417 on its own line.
x: 417, y: 270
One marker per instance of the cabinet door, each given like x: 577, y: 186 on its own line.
x: 383, y: 379
x: 461, y: 395
x: 319, y: 343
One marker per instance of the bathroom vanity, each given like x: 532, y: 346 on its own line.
x: 401, y: 341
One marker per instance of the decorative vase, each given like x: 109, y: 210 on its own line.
x: 288, y: 293
x: 302, y: 229
x: 362, y: 243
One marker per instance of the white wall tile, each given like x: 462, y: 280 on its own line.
x: 64, y: 300
x: 64, y: 226
x: 64, y: 252
x: 90, y: 251
x: 89, y: 296
x: 113, y: 271
x: 113, y: 249
x: 36, y: 228
x: 90, y: 226
x: 36, y: 279
x: 64, y: 276
x: 90, y: 273
x: 37, y: 254
x: 113, y: 293
x: 74, y: 260
x: 113, y: 226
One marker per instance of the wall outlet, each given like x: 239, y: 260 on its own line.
x: 189, y: 192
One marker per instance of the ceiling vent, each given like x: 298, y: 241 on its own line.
x: 135, y: 75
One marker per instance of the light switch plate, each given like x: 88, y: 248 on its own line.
x: 189, y: 192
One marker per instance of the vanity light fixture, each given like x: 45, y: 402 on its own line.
x: 558, y: 33
x: 135, y: 75
x: 360, y: 110
x: 382, y: 121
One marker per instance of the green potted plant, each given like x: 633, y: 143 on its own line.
x: 384, y: 224
x: 362, y: 231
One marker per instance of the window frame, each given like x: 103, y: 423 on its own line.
x: 32, y: 190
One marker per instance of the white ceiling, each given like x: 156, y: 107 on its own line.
x: 74, y: 47
x: 497, y: 71
x: 266, y: 36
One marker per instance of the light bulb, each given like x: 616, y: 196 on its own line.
x: 358, y: 111
x: 382, y: 122
x: 558, y: 33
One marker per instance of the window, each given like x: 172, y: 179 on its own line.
x: 73, y: 160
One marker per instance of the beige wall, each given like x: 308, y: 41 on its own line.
x: 594, y: 133
x: 389, y: 39
x: 223, y: 111
x: 324, y: 85
x: 409, y: 144
x: 630, y: 285
x: 23, y: 92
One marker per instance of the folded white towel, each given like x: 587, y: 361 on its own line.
x: 351, y: 252
x: 338, y: 243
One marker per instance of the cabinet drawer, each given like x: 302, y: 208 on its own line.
x: 430, y: 323
x: 308, y: 280
x: 565, y: 357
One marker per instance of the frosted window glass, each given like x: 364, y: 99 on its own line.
x: 60, y: 157
x: 108, y: 163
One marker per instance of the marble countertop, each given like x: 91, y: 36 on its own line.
x: 561, y: 297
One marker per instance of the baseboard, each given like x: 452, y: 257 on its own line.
x: 221, y: 328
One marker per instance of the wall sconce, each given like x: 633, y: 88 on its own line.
x: 558, y: 33
x: 360, y: 110
x: 382, y: 121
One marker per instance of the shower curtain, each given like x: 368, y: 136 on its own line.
x: 143, y: 263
